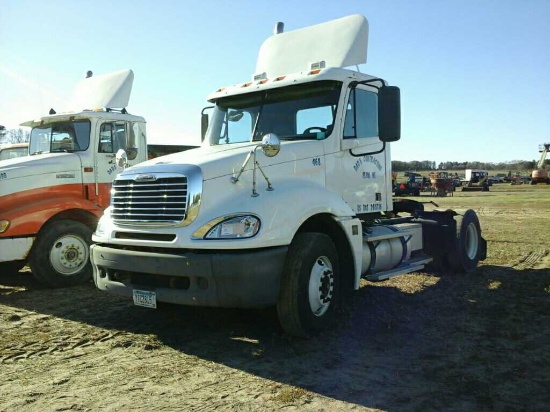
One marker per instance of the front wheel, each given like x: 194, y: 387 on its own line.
x: 61, y: 254
x: 310, y: 285
x: 468, y: 244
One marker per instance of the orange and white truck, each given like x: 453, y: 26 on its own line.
x: 50, y: 201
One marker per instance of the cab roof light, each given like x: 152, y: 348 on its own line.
x: 279, y: 78
x: 246, y: 84
x: 316, y: 67
x: 260, y: 76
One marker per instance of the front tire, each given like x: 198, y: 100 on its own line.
x: 310, y: 286
x: 60, y: 256
x: 467, y: 251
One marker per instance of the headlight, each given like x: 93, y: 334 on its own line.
x: 100, y: 229
x: 230, y: 227
x: 103, y: 223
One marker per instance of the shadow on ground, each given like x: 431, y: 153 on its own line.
x: 471, y: 342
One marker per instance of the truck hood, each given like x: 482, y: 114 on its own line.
x: 38, y: 165
x: 223, y: 160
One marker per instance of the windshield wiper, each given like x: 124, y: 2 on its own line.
x: 260, y: 110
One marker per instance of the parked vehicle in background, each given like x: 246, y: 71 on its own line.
x: 441, y: 183
x: 540, y: 174
x: 51, y: 200
x: 412, y: 186
x: 157, y: 150
x: 13, y: 150
x: 476, y: 180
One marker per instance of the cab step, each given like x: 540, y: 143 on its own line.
x: 412, y: 265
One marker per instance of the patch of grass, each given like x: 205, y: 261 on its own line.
x: 292, y: 394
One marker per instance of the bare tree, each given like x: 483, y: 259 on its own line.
x: 18, y: 135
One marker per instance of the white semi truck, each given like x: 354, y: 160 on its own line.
x: 50, y: 201
x: 288, y: 202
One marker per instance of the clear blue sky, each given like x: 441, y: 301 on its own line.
x: 474, y: 75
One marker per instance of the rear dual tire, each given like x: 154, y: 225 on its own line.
x: 467, y: 251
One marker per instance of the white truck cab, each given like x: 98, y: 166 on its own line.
x: 288, y: 202
x: 51, y: 200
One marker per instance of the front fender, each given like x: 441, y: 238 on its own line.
x: 282, y: 211
x: 27, y: 219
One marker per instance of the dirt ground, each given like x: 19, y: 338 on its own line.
x: 424, y: 341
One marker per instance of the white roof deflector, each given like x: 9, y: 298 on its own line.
x: 111, y: 90
x: 340, y: 43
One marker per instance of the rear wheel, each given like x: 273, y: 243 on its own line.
x: 310, y: 286
x: 466, y: 253
x: 61, y: 254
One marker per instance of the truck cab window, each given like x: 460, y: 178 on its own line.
x: 62, y: 136
x: 303, y: 111
x: 315, y: 120
x: 237, y: 127
x: 361, y: 115
x: 106, y: 138
x: 115, y: 136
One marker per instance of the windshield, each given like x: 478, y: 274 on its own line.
x: 13, y: 152
x: 65, y: 136
x: 303, y: 111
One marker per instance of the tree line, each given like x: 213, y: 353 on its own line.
x: 14, y: 135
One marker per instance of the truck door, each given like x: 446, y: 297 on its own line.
x: 115, y: 135
x: 364, y: 160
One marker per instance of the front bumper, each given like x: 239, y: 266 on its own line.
x: 238, y: 279
x: 15, y: 248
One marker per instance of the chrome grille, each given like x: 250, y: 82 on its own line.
x: 163, y: 200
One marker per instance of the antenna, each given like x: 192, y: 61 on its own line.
x: 279, y: 28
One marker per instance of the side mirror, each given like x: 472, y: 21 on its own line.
x: 389, y: 113
x: 271, y: 144
x: 204, y: 125
x: 121, y: 159
x: 204, y: 122
x: 235, y: 115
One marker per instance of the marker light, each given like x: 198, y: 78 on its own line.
x: 4, y: 224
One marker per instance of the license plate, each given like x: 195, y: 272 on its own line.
x: 145, y: 298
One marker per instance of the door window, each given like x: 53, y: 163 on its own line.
x: 361, y: 115
x: 114, y: 136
